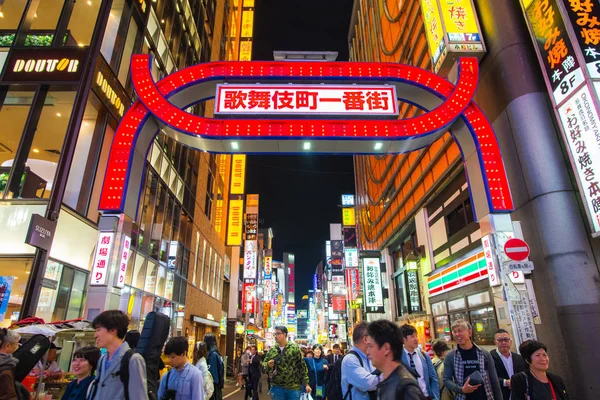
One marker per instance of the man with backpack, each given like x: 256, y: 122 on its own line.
x: 215, y: 365
x: 111, y: 328
x: 385, y: 352
x: 184, y: 381
x: 358, y: 381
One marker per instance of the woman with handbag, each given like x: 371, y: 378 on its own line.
x: 317, y: 366
x: 537, y: 383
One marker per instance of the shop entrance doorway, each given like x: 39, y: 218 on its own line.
x: 448, y: 107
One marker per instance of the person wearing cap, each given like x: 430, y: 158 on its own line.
x: 51, y: 364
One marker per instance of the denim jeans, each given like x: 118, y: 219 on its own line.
x: 280, y: 393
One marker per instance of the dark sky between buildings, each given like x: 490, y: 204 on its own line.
x: 300, y: 194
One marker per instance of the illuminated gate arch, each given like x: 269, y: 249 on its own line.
x: 449, y: 107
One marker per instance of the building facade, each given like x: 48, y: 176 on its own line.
x: 416, y: 208
x: 65, y: 82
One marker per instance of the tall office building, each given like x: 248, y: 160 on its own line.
x: 65, y: 86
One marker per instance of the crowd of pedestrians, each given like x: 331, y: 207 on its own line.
x: 385, y: 363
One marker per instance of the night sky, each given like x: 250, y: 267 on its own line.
x: 300, y: 195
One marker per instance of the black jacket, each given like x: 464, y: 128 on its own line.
x: 330, y: 358
x: 255, y: 367
x: 519, y: 386
x: 518, y: 366
x: 400, y: 385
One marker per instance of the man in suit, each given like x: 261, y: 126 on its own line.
x: 254, y: 372
x: 336, y: 355
x: 507, y: 363
x: 419, y: 362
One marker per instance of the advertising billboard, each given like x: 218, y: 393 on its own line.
x: 306, y: 99
x: 373, y: 290
x: 348, y: 217
x: 452, y: 30
x: 235, y: 220
x: 351, y: 256
x: 250, y: 259
x: 238, y: 173
x: 101, y: 265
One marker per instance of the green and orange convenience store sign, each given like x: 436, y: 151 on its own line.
x: 464, y: 273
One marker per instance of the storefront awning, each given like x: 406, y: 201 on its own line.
x: 205, y: 321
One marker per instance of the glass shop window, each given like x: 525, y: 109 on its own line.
x: 44, y: 150
x: 82, y: 22
x: 13, y: 117
x: 111, y: 34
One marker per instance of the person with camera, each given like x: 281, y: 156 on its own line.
x: 286, y: 368
x: 183, y: 381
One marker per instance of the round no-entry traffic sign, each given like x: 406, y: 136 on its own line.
x: 516, y: 249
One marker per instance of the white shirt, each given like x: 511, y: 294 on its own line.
x: 419, y: 368
x: 508, y: 364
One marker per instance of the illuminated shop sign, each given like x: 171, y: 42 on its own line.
x: 250, y: 259
x: 123, y: 262
x: 348, y: 217
x: 452, y: 30
x: 238, y: 173
x: 348, y: 200
x: 555, y: 49
x: 581, y: 125
x: 373, y: 290
x: 101, y: 258
x: 351, y: 257
x: 353, y: 283
x: 48, y: 65
x: 268, y: 267
x: 306, y: 99
x: 251, y: 226
x: 235, y: 221
x: 585, y: 17
x: 109, y: 93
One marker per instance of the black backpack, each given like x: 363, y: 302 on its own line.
x: 334, y: 382
x: 220, y: 367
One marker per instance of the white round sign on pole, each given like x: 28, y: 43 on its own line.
x: 516, y: 249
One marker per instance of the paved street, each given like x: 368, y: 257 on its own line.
x: 232, y: 392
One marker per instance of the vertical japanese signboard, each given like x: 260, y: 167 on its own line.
x: 268, y: 267
x: 452, y: 30
x: 567, y: 36
x: 250, y: 259
x: 353, y: 283
x: 251, y: 226
x: 490, y: 260
x: 101, y: 258
x: 414, y: 297
x: 123, y: 262
x: 555, y: 49
x: 582, y: 133
x: 373, y: 290
x: 584, y: 16
x: 348, y: 217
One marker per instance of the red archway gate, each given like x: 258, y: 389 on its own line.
x: 449, y: 108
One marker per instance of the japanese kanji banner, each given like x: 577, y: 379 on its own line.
x: 580, y: 124
x: 585, y: 19
x: 306, y: 99
x: 555, y: 49
x: 372, y: 287
x: 102, y: 258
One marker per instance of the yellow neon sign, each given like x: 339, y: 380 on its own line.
x: 459, y: 17
x: 348, y: 217
x: 235, y: 222
x: 433, y: 27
